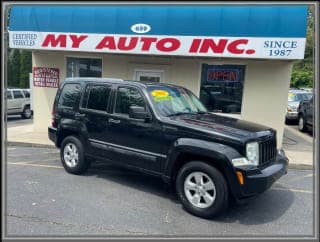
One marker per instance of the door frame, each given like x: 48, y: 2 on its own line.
x: 151, y: 71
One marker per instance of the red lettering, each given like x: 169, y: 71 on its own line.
x: 233, y: 46
x: 122, y: 43
x: 174, y: 44
x: 77, y: 40
x: 147, y: 41
x: 216, y: 48
x: 107, y: 42
x: 195, y: 45
x: 50, y: 39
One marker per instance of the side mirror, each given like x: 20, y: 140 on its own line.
x: 137, y: 112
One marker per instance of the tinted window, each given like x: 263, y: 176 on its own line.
x: 96, y: 97
x: 69, y: 95
x: 17, y: 94
x: 9, y: 95
x: 126, y: 97
x: 26, y: 94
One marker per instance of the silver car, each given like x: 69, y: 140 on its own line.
x: 18, y: 102
x: 294, y: 98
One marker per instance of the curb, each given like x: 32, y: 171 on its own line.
x: 23, y: 144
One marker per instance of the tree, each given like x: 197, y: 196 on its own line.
x: 302, y: 73
x: 14, y: 69
x: 25, y: 68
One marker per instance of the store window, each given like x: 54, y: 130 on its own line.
x: 84, y: 67
x: 222, y: 87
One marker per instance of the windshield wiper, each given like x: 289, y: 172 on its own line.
x: 179, y: 113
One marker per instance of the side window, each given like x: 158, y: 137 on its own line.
x: 126, y: 97
x: 69, y: 95
x: 26, y: 94
x: 96, y: 97
x: 9, y: 95
x: 17, y: 94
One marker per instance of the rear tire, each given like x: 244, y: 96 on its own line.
x: 72, y: 155
x: 206, y: 200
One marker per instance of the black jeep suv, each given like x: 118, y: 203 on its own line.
x: 164, y: 130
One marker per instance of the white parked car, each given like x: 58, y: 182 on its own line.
x: 18, y: 102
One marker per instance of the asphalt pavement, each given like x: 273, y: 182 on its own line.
x: 44, y: 200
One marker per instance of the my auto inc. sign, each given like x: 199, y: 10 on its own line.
x: 240, y: 47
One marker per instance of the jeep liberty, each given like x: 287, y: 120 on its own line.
x: 164, y: 130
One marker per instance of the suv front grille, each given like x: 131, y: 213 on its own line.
x: 267, y: 149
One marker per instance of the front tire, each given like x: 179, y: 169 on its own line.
x: 72, y: 155
x: 202, y: 189
x: 26, y: 114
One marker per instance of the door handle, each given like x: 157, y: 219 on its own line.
x: 79, y: 115
x: 115, y: 121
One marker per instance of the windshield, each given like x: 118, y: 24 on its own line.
x: 170, y: 101
x: 297, y: 97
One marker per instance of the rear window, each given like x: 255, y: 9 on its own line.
x: 26, y: 93
x: 9, y: 95
x: 96, y: 97
x: 69, y: 95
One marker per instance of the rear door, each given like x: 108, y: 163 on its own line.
x: 18, y: 100
x: 93, y: 114
x: 10, y: 102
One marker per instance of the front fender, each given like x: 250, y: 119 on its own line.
x: 219, y: 153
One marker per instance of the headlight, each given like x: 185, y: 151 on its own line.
x: 252, y: 153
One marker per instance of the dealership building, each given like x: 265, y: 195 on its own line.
x: 237, y: 58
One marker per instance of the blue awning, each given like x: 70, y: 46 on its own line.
x: 186, y: 20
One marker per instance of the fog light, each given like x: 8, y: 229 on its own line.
x: 240, y: 177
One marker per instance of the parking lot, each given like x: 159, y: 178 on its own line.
x: 44, y: 200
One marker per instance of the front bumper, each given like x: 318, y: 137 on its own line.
x: 258, y: 180
x: 292, y: 115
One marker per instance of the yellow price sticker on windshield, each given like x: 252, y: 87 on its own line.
x: 159, y: 93
x: 290, y: 95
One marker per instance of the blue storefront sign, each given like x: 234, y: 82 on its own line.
x: 242, y: 31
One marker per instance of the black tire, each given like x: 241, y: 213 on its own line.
x: 82, y: 164
x: 26, y: 114
x: 302, y: 126
x: 222, y: 194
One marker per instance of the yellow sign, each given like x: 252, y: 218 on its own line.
x: 160, y: 93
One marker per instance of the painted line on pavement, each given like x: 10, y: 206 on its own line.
x: 31, y: 161
x: 292, y: 190
x: 36, y: 165
x: 32, y: 154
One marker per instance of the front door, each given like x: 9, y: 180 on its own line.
x: 132, y: 141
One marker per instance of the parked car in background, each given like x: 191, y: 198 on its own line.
x: 295, y: 96
x: 305, y: 115
x: 18, y: 102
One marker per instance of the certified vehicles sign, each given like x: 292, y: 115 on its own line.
x: 175, y: 34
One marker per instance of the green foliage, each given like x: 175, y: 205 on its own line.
x: 14, y: 69
x: 25, y: 68
x: 19, y: 67
x: 302, y: 73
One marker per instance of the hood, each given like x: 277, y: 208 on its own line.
x: 222, y: 126
x: 293, y: 104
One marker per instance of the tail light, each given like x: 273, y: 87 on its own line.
x: 53, y: 121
